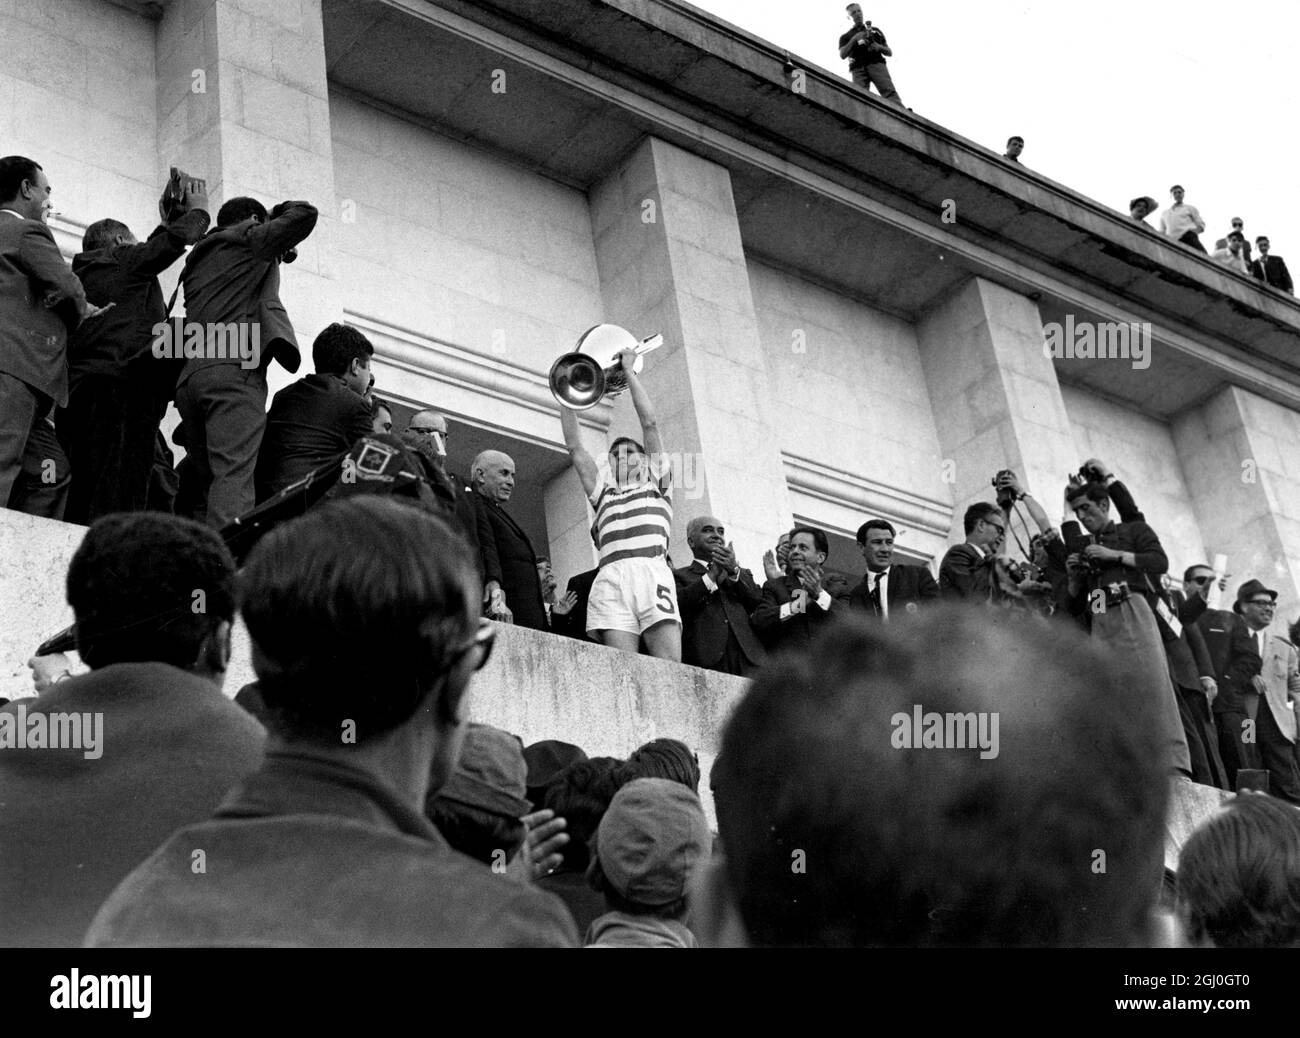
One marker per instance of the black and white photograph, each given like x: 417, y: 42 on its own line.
x: 520, y: 474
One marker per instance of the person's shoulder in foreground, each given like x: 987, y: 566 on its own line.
x: 363, y: 621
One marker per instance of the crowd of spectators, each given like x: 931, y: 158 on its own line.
x: 350, y: 802
x: 344, y: 797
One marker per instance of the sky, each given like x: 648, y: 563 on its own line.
x: 1114, y: 100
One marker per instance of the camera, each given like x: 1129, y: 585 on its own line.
x: 1006, y: 496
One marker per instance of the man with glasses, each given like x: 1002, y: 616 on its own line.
x: 966, y: 572
x: 365, y: 631
x: 427, y: 434
x: 1258, y: 720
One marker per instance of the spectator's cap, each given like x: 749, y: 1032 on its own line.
x: 545, y: 760
x: 491, y: 774
x: 1176, y: 187
x: 651, y: 839
x: 1249, y: 590
x: 1146, y: 201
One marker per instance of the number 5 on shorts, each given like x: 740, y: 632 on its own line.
x: 666, y: 601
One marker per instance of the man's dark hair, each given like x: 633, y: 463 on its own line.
x: 14, y: 169
x: 616, y: 902
x: 100, y: 234
x: 357, y: 611
x: 239, y: 209
x: 1176, y: 187
x: 1092, y: 491
x: 378, y: 405
x: 149, y: 587
x: 613, y: 447
x: 336, y: 347
x: 668, y: 759
x: 875, y: 524
x: 1012, y: 140
x: 976, y: 512
x: 1262, y: 237
x: 1239, y: 876
x: 581, y: 794
x: 1187, y: 573
x: 1236, y: 234
x: 475, y: 832
x: 930, y: 846
x: 820, y: 541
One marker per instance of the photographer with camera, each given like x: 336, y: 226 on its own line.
x: 232, y: 278
x: 866, y: 48
x: 1109, y: 587
x: 118, y: 391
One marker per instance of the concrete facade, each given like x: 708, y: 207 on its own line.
x: 837, y: 347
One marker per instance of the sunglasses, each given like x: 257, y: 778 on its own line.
x: 1201, y: 580
x: 1262, y: 602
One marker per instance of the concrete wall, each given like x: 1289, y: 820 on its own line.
x: 1140, y: 451
x: 539, y: 686
x: 77, y: 95
x: 849, y: 392
x: 453, y: 242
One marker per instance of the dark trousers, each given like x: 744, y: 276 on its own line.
x: 34, y: 471
x: 108, y: 429
x: 224, y: 410
x: 1202, y: 738
x: 733, y: 660
x: 879, y: 75
x: 1191, y: 238
x: 1271, y: 750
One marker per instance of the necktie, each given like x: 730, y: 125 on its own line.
x: 875, y: 593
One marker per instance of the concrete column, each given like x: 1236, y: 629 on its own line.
x: 670, y: 260
x: 242, y: 100
x: 996, y: 400
x: 1238, y: 453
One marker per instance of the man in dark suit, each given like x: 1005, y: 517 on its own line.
x: 1271, y: 269
x: 796, y: 607
x: 118, y: 390
x: 75, y: 821
x: 232, y: 282
x: 887, y: 588
x: 1235, y: 663
x: 41, y: 301
x: 320, y: 416
x: 572, y: 621
x: 509, y: 562
x: 1257, y: 721
x: 716, y: 597
x: 966, y: 572
x: 426, y: 433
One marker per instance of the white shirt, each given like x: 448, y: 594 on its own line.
x: 881, y: 581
